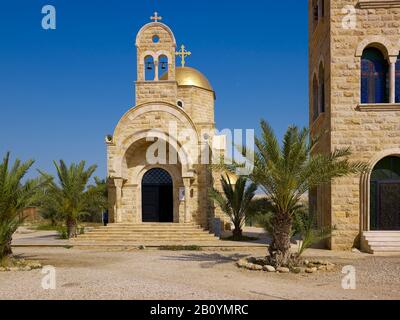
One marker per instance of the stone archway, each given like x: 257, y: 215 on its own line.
x: 385, y: 195
x: 365, y: 188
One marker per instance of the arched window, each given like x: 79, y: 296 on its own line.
x: 321, y: 89
x: 315, y: 98
x: 157, y: 176
x: 149, y: 71
x: 162, y: 66
x: 398, y: 80
x: 315, y: 13
x: 374, y: 77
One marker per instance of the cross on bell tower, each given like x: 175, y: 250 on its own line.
x: 156, y: 17
x: 183, y: 54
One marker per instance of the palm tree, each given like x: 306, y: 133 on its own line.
x: 15, y: 196
x: 235, y: 201
x: 72, y: 196
x: 286, y: 173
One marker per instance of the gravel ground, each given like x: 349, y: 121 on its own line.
x: 152, y: 274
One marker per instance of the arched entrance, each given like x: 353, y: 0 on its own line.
x: 157, y: 196
x: 385, y: 195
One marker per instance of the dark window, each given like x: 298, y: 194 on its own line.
x: 374, y: 77
x: 321, y: 89
x: 149, y: 73
x: 315, y: 98
x: 398, y: 80
x: 157, y: 177
x: 163, y: 67
x: 322, y: 8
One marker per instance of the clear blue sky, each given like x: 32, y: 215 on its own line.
x: 63, y: 90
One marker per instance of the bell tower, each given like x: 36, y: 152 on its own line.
x: 156, y: 47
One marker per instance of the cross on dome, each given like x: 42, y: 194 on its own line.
x: 156, y: 17
x: 183, y: 54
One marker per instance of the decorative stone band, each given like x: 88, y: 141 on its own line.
x: 377, y: 4
x: 376, y: 107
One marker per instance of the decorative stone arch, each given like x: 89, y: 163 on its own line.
x: 151, y: 25
x: 146, y: 54
x: 379, y: 42
x: 160, y: 53
x: 183, y: 157
x: 365, y: 187
x: 139, y: 110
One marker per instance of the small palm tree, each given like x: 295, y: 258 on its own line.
x: 235, y: 201
x: 286, y: 173
x: 72, y: 196
x: 15, y: 196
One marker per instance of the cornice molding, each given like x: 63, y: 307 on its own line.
x: 377, y: 4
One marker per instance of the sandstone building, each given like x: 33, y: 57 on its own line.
x: 354, y: 78
x: 159, y: 153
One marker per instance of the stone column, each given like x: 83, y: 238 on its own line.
x: 188, y: 214
x: 118, y: 199
x: 392, y: 77
x: 155, y: 70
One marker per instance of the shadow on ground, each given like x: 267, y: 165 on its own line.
x: 207, y: 260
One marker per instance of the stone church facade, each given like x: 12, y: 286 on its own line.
x: 159, y: 154
x: 354, y: 80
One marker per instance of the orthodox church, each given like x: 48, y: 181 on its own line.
x: 159, y: 154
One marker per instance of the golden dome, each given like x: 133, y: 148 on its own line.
x: 186, y: 76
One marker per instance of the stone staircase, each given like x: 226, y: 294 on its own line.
x: 147, y: 234
x: 380, y: 241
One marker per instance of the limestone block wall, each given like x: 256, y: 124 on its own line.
x: 199, y: 104
x: 320, y: 54
x: 151, y: 91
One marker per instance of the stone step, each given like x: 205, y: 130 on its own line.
x: 374, y: 234
x: 150, y: 232
x: 153, y: 242
x: 147, y: 233
x: 381, y: 241
x: 145, y: 238
x: 150, y: 229
x: 385, y: 249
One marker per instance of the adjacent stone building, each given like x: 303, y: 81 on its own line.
x: 354, y: 80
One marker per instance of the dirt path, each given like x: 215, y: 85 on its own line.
x: 90, y: 274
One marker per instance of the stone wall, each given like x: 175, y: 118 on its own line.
x: 367, y: 130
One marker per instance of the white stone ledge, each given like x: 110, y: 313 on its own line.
x: 377, y: 4
x: 376, y: 107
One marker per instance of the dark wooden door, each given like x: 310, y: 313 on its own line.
x: 389, y: 206
x: 150, y: 204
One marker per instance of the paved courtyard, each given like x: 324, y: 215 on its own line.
x: 154, y: 274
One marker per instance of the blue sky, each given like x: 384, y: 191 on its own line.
x: 63, y: 90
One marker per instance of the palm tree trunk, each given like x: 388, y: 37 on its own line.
x: 71, y: 228
x: 279, y: 250
x: 237, y: 234
x: 7, y: 248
